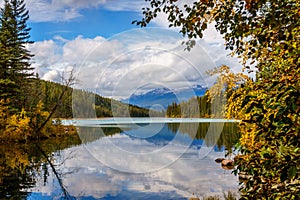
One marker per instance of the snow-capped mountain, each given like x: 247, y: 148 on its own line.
x: 164, y: 96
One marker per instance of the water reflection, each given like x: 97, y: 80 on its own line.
x: 86, y: 177
x: 22, y: 165
x: 228, y: 137
x: 164, y: 132
x: 15, y: 171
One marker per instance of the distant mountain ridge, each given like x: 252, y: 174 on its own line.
x: 164, y: 96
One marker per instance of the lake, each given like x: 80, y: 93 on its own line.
x: 122, y: 158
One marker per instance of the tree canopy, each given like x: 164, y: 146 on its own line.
x: 266, y: 35
x: 251, y: 28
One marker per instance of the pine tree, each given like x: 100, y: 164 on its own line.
x: 6, y: 82
x: 14, y: 57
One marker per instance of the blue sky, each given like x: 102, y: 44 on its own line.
x: 92, y: 23
x: 89, y: 18
x: 112, y: 56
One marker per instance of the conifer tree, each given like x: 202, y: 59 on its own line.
x: 14, y: 57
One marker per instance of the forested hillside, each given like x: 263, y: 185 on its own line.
x: 194, y: 107
x: 48, y: 93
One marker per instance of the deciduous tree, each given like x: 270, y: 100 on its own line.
x: 265, y: 34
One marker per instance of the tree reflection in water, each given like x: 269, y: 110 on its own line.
x: 22, y: 164
x: 228, y: 138
x: 16, y: 170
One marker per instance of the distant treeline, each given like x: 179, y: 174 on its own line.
x: 78, y: 103
x: 194, y: 107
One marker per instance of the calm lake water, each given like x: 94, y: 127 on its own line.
x: 125, y: 159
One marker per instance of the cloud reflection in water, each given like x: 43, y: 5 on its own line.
x: 95, y: 180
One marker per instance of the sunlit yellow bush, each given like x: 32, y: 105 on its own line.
x: 17, y: 127
x: 22, y: 126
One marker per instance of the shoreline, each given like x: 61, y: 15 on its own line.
x: 140, y: 120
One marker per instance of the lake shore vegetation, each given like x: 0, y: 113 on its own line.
x: 265, y: 36
x: 28, y: 104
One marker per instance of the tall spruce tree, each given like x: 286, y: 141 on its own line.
x: 14, y: 56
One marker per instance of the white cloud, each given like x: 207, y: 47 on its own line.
x: 128, y: 61
x: 59, y: 10
x: 45, y: 11
x: 125, y: 5
x: 66, y: 10
x: 75, y: 50
x: 203, y: 177
x: 78, y: 3
x: 51, y: 75
x: 212, y: 41
x: 46, y: 52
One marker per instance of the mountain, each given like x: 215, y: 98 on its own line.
x: 160, y: 98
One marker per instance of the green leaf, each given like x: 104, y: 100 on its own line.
x: 292, y: 171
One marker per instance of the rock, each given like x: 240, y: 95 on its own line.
x: 227, y: 162
x: 219, y: 160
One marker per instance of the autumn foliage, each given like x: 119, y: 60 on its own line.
x: 265, y: 35
x: 20, y: 126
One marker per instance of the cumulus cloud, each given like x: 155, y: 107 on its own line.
x: 46, y: 52
x: 75, y: 50
x: 204, y: 177
x: 99, y: 53
x: 121, y: 65
x: 50, y: 75
x: 153, y: 58
x: 212, y: 41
